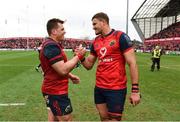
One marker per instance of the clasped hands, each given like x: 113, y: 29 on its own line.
x: 80, y: 51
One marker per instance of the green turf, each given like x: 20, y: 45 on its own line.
x: 20, y: 83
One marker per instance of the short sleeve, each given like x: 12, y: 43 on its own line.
x: 92, y: 51
x: 53, y: 53
x: 125, y: 42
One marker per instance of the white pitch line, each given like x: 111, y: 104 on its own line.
x: 12, y: 104
x: 167, y: 67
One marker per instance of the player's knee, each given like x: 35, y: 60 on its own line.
x: 104, y: 118
x: 115, y: 117
x: 67, y: 118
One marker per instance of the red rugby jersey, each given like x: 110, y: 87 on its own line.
x: 53, y: 83
x: 111, y: 73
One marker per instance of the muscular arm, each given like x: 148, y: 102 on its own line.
x: 131, y: 61
x: 54, y: 54
x: 89, y: 61
x: 126, y: 47
x: 63, y: 68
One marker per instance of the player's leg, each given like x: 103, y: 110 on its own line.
x: 100, y: 104
x: 61, y: 107
x: 51, y: 117
x: 115, y: 103
x: 103, y: 111
x: 39, y: 66
x: 67, y: 117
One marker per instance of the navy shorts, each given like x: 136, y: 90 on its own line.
x: 114, y: 99
x: 59, y: 104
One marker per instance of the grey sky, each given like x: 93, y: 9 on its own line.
x: 29, y: 17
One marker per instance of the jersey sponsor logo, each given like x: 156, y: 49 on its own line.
x: 103, y: 51
x: 112, y: 42
x: 106, y: 60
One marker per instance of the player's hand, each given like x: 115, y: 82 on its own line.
x: 80, y: 50
x: 75, y: 79
x: 135, y: 98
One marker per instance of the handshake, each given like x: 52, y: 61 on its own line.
x: 80, y: 51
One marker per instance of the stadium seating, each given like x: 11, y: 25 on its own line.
x: 32, y: 42
x: 168, y: 39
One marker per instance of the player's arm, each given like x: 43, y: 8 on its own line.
x: 126, y: 46
x: 89, y: 61
x: 129, y: 54
x: 74, y: 78
x: 63, y: 68
x: 54, y: 55
x: 131, y: 61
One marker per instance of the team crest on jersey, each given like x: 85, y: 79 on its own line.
x: 103, y: 51
x: 112, y: 43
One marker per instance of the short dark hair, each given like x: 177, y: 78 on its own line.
x: 101, y: 16
x: 52, y: 23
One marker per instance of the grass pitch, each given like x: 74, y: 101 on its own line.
x: 20, y: 83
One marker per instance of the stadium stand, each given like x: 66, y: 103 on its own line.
x: 158, y: 23
x: 32, y: 43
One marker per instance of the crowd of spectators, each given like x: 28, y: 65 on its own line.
x: 166, y: 45
x: 71, y: 43
x: 32, y: 43
x: 168, y: 39
x: 169, y: 32
x: 20, y: 42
